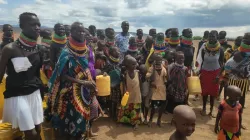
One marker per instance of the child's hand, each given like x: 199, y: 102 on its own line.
x: 105, y: 74
x: 153, y: 85
x: 216, y: 129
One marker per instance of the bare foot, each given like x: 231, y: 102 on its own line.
x: 91, y: 134
x: 211, y: 115
x: 203, y: 112
x: 136, y: 127
x: 150, y: 123
x: 196, y: 98
x: 159, y: 123
x: 243, y: 127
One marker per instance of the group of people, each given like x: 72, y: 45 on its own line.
x: 153, y: 71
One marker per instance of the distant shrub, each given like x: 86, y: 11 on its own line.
x: 197, y: 38
x: 230, y: 39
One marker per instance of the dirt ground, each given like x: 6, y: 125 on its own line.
x: 108, y: 130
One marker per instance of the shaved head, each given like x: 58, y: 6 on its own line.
x: 183, y: 111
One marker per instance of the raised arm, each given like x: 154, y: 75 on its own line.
x: 6, y: 55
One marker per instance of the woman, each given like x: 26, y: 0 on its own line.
x: 8, y: 36
x: 209, y: 61
x: 71, y: 86
x: 239, y: 74
x: 22, y: 97
x: 59, y: 40
x: 45, y: 46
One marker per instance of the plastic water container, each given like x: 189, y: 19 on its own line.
x: 125, y: 99
x: 194, y: 85
x: 2, y: 89
x: 103, y: 85
x: 43, y: 77
x: 7, y: 133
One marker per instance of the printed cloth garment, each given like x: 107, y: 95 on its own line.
x: 123, y: 42
x: 69, y: 103
x: 131, y: 114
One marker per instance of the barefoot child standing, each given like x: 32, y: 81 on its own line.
x: 184, y: 120
x: 229, y: 116
x: 145, y: 91
x: 131, y: 113
x: 158, y: 87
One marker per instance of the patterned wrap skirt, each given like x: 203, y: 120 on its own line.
x: 223, y: 135
x: 130, y: 114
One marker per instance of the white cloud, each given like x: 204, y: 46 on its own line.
x: 110, y: 13
x: 3, y: 2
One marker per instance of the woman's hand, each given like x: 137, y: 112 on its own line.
x: 216, y: 80
x: 89, y: 84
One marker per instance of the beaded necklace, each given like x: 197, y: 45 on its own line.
x: 76, y: 48
x: 186, y: 40
x: 46, y: 42
x: 244, y: 47
x: 174, y: 41
x: 27, y: 44
x: 140, y: 42
x: 132, y: 48
x: 212, y: 49
x: 167, y: 39
x: 8, y: 39
x: 116, y: 60
x: 59, y: 39
x: 109, y: 42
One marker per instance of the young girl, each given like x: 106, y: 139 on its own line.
x: 177, y: 82
x: 45, y: 43
x: 114, y: 71
x: 146, y: 94
x: 158, y: 100
x: 146, y: 49
x: 229, y: 116
x: 184, y: 120
x: 131, y: 113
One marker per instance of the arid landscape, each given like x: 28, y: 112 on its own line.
x: 108, y: 130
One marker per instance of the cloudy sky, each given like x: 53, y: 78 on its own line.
x: 200, y: 15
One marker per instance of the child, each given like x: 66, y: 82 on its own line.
x: 131, y: 113
x: 146, y: 49
x: 146, y: 96
x: 159, y: 73
x: 139, y: 40
x: 114, y: 71
x: 132, y: 49
x: 177, y: 82
x: 109, y: 40
x: 184, y: 120
x: 229, y: 116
